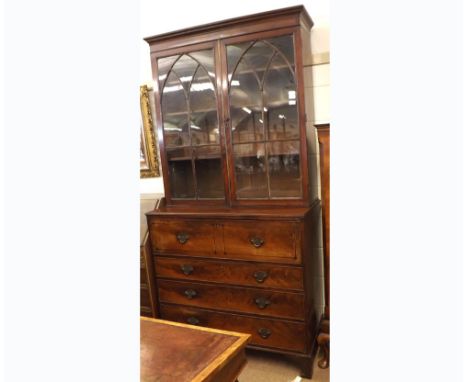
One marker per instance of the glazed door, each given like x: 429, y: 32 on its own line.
x: 266, y: 135
x: 189, y: 126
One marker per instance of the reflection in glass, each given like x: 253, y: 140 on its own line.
x: 245, y: 92
x: 190, y: 119
x: 285, y: 45
x: 284, y: 169
x: 204, y: 115
x: 185, y: 68
x: 250, y: 169
x: 181, y: 173
x: 164, y: 65
x: 279, y: 91
x: 210, y: 180
x: 262, y: 96
x: 174, y: 111
x: 206, y: 61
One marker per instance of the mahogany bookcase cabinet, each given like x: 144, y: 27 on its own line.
x: 234, y: 240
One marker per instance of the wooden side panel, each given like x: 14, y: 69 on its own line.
x: 324, y: 143
x: 148, y: 291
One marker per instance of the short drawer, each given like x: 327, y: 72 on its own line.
x: 235, y: 299
x: 182, y: 236
x: 262, y: 241
x: 276, y: 334
x: 264, y: 275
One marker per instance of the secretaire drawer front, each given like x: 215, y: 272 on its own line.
x: 262, y: 240
x: 262, y: 275
x: 182, y: 236
x: 276, y: 334
x: 234, y: 299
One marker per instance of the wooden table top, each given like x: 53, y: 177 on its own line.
x: 170, y: 351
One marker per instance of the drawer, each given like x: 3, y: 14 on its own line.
x: 145, y: 299
x: 235, y: 299
x: 276, y: 334
x: 262, y: 241
x: 182, y: 236
x: 264, y: 275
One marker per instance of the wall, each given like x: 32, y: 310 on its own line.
x: 156, y: 18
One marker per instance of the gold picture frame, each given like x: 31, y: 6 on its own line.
x: 149, y: 163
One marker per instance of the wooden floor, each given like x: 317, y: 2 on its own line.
x: 266, y: 367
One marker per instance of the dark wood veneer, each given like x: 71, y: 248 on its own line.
x: 285, y: 334
x: 260, y: 275
x: 323, y: 339
x: 233, y: 299
x: 241, y: 264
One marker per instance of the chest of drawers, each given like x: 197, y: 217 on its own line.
x: 246, y: 270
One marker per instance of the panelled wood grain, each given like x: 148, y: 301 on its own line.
x: 148, y: 296
x: 233, y: 298
x: 182, y: 236
x: 261, y: 275
x: 323, y: 132
x: 262, y: 241
x: 283, y: 334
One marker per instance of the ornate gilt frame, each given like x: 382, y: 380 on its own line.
x: 149, y: 167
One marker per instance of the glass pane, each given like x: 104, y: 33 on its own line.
x: 206, y: 59
x: 254, y: 60
x: 164, y: 65
x: 175, y: 113
x: 250, y: 169
x: 247, y: 127
x: 234, y: 53
x: 279, y: 91
x: 245, y: 93
x: 285, y: 45
x: 284, y: 169
x: 185, y: 68
x: 204, y: 116
x: 210, y: 180
x: 181, y: 173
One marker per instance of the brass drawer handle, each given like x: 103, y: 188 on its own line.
x: 262, y: 302
x: 193, y: 321
x: 186, y: 269
x: 264, y: 333
x: 190, y: 293
x: 182, y: 237
x: 260, y: 276
x: 257, y: 242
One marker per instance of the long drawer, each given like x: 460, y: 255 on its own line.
x: 276, y: 334
x: 264, y: 275
x: 235, y: 299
